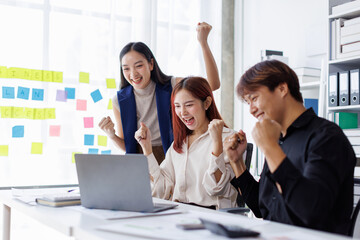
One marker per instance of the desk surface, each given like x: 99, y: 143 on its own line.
x: 84, y: 226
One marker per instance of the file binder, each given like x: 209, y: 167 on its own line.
x: 354, y: 87
x: 344, y: 90
x: 333, y: 89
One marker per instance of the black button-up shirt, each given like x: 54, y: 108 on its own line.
x: 316, y: 178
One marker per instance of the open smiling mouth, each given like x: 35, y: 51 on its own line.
x: 136, y: 81
x: 189, y: 121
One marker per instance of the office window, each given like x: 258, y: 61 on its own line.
x: 81, y: 39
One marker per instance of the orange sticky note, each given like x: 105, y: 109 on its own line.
x: 81, y: 105
x: 88, y: 122
x: 54, y: 131
x: 4, y: 150
x: 36, y: 148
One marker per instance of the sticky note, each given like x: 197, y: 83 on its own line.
x: 110, y: 106
x: 38, y: 94
x: 29, y: 113
x: 36, y: 148
x: 89, y: 139
x: 106, y: 152
x: 27, y: 74
x: 47, y: 76
x: 110, y: 83
x: 6, y: 112
x: 54, y: 130
x: 18, y: 112
x: 73, y: 156
x: 70, y: 93
x: 84, y: 77
x: 93, y: 151
x: 4, y: 150
x: 15, y: 72
x: 23, y: 93
x: 57, y: 77
x: 96, y: 95
x: 50, y: 113
x: 61, y: 95
x: 18, y: 131
x: 80, y: 105
x: 11, y: 72
x: 39, y: 114
x: 3, y: 72
x: 36, y: 75
x: 8, y: 92
x: 102, y: 140
x: 88, y: 122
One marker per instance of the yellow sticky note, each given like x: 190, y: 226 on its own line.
x: 50, y: 113
x: 102, y: 140
x: 73, y: 157
x: 29, y: 113
x: 36, y: 148
x: 84, y: 77
x: 3, y: 72
x: 57, y: 77
x: 27, y: 74
x: 36, y: 75
x: 19, y: 73
x: 47, y: 76
x: 110, y: 106
x: 11, y: 72
x: 110, y: 83
x: 39, y: 114
x: 18, y: 112
x: 4, y: 150
x: 6, y: 112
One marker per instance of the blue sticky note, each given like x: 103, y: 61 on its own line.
x: 18, y: 131
x: 96, y: 95
x: 70, y: 93
x: 106, y: 152
x: 93, y: 151
x: 89, y: 139
x: 8, y: 92
x: 23, y: 93
x: 38, y: 94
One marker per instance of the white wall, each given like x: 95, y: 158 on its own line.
x: 298, y: 28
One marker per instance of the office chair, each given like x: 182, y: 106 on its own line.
x: 241, y: 209
x: 355, y: 217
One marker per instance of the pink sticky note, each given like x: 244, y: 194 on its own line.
x: 54, y: 131
x: 80, y: 105
x: 88, y: 122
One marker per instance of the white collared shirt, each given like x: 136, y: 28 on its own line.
x: 189, y: 177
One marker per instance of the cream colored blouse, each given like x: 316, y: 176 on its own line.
x: 189, y: 177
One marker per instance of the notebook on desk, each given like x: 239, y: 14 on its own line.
x: 116, y: 182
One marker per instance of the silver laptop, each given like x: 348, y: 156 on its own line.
x: 116, y: 182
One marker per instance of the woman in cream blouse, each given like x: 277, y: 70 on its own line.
x: 195, y: 169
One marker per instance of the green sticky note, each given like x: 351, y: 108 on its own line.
x: 29, y: 113
x: 73, y: 157
x: 4, y: 150
x: 102, y: 140
x: 50, y: 113
x: 47, y: 76
x: 39, y: 114
x: 3, y: 72
x: 84, y: 77
x: 36, y: 75
x: 110, y: 83
x: 110, y: 106
x: 36, y: 148
x: 57, y: 77
x: 18, y: 112
x: 6, y: 112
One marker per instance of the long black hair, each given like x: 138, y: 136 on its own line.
x: 156, y: 74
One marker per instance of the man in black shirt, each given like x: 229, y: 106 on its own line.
x: 307, y: 179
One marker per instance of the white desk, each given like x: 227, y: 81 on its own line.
x: 84, y: 226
